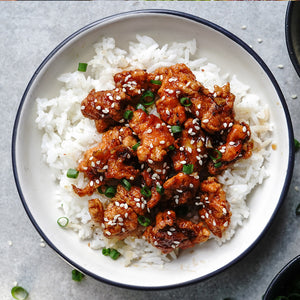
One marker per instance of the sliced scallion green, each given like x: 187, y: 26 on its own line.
x: 142, y: 107
x: 106, y: 251
x: 126, y: 184
x: 160, y: 189
x: 185, y: 101
x: 110, y: 191
x: 218, y: 164
x: 128, y: 114
x: 297, y: 145
x: 144, y: 221
x: 76, y: 275
x: 157, y: 82
x: 63, y: 221
x: 19, y: 293
x: 171, y: 147
x: 100, y: 189
x: 111, y: 252
x: 134, y: 147
x: 217, y: 157
x: 82, y: 67
x: 114, y: 254
x: 176, y: 128
x: 188, y: 169
x: 147, y: 98
x: 72, y: 173
x: 145, y: 191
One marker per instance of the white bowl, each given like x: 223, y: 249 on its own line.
x: 37, y: 190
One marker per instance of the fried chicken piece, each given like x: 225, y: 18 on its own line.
x: 133, y: 83
x: 181, y: 188
x: 96, y: 210
x: 216, y: 209
x: 215, y: 110
x: 108, y: 106
x: 190, y: 147
x: 154, y: 135
x: 120, y: 220
x: 170, y: 233
x: 178, y: 82
x: 133, y: 198
x: 236, y: 146
x: 113, y: 157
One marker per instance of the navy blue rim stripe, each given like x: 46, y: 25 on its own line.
x: 288, y: 36
x: 215, y: 27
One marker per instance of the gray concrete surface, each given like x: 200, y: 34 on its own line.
x: 29, y: 31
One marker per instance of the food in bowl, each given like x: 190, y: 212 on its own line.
x: 171, y: 167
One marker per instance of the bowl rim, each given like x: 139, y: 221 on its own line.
x: 211, y: 25
x: 279, y: 275
x: 288, y: 36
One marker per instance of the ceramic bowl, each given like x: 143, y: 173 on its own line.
x: 37, y: 190
x: 286, y: 282
x: 292, y: 33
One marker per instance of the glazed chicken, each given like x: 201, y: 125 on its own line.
x: 161, y: 165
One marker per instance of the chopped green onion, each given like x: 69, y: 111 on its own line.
x: 219, y: 155
x: 82, y: 67
x: 63, y: 221
x: 171, y: 147
x: 100, y: 190
x: 106, y: 251
x: 297, y: 144
x: 126, y: 184
x: 134, y: 147
x: 144, y: 221
x: 72, y: 173
x: 114, y: 254
x: 188, y: 169
x: 298, y: 210
x: 128, y: 114
x: 185, y: 101
x: 76, y: 275
x: 176, y: 129
x: 218, y: 164
x: 142, y: 107
x: 160, y: 189
x: 19, y: 293
x: 158, y: 82
x: 110, y: 191
x: 145, y: 191
x: 145, y: 98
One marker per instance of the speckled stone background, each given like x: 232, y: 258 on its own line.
x: 29, y: 31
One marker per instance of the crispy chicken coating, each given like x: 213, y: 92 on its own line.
x: 154, y: 135
x: 214, y: 110
x: 181, y: 188
x: 113, y: 157
x: 96, y: 210
x: 170, y: 233
x: 216, y: 209
x: 120, y: 220
x: 190, y: 147
x: 133, y: 83
x: 236, y: 146
x: 108, y: 106
x: 178, y: 82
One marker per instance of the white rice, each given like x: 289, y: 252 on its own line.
x: 67, y: 134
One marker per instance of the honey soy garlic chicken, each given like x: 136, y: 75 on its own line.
x: 165, y: 138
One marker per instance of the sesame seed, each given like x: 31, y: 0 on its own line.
x: 150, y: 161
x: 259, y: 40
x: 280, y: 66
x: 138, y: 204
x: 191, y: 185
x: 131, y: 178
x: 205, y: 121
x: 294, y: 96
x: 149, y: 131
x: 183, y: 162
x: 169, y: 233
x: 244, y: 129
x: 117, y: 203
x: 244, y: 27
x: 162, y: 142
x: 91, y: 183
x: 107, y: 232
x: 82, y: 107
